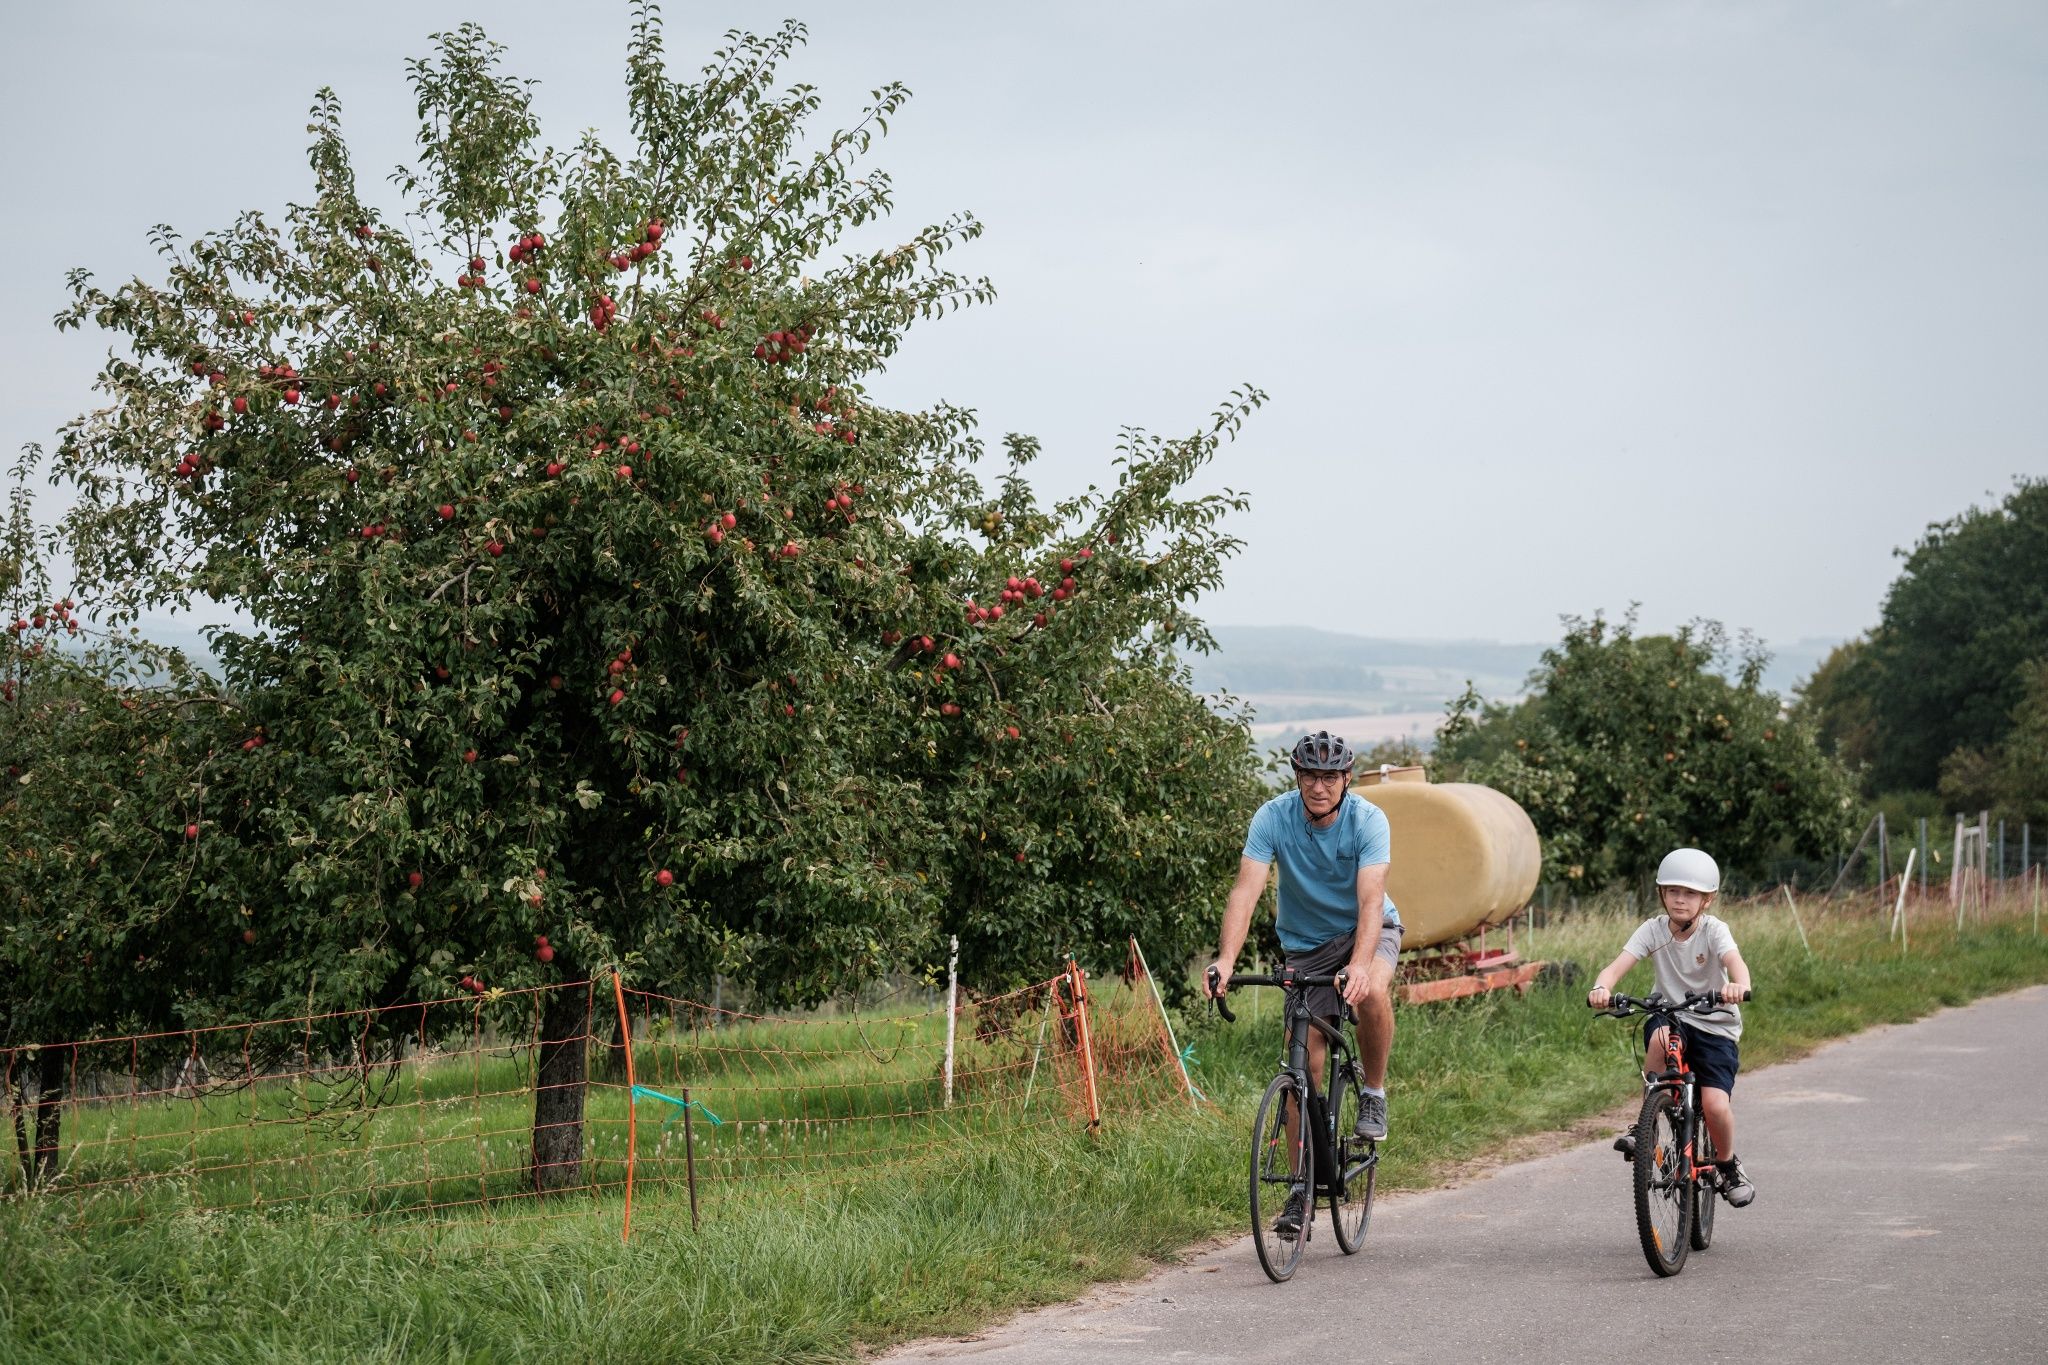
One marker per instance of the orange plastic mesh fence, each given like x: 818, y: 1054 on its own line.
x: 436, y: 1112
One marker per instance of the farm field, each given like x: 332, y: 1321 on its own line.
x: 815, y: 1259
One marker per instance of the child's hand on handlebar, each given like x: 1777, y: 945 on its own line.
x: 1598, y: 997
x: 1732, y: 994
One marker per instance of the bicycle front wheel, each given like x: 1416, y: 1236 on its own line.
x: 1282, y: 1178
x: 1663, y: 1186
x: 1358, y: 1168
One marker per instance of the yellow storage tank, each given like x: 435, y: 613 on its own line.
x: 1464, y: 855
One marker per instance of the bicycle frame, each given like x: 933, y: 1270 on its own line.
x: 1312, y: 1160
x: 1295, y: 1015
x: 1677, y: 1077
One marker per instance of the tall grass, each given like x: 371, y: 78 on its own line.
x: 816, y: 1265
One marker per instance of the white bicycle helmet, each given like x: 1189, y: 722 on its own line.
x: 1689, y: 867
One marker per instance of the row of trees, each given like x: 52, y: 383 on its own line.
x: 1627, y: 746
x: 598, y: 615
x: 1949, y: 692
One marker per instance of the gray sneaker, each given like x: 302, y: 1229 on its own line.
x: 1372, y: 1117
x: 1735, y: 1186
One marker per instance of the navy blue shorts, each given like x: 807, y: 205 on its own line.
x: 1714, y: 1060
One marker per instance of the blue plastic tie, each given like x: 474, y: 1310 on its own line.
x: 679, y: 1105
x: 1188, y: 1059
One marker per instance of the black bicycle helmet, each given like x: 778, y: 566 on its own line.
x: 1322, y: 752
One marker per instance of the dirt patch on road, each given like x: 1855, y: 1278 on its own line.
x: 1529, y: 1147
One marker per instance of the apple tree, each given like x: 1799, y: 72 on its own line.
x: 596, y: 614
x: 118, y: 891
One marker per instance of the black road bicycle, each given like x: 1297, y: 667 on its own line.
x: 1321, y: 1160
x: 1676, y: 1180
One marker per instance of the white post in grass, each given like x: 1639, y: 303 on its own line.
x: 1955, y: 872
x: 1899, y: 910
x: 1795, y: 918
x: 952, y: 1000
x: 1194, y: 1096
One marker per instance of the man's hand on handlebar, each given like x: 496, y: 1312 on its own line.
x: 1355, y: 984
x: 1218, y: 977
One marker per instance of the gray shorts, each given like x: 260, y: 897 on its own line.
x: 1327, y: 959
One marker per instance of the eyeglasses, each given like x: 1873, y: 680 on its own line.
x: 1312, y: 779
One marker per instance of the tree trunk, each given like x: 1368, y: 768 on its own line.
x: 49, y: 1114
x: 558, y: 1091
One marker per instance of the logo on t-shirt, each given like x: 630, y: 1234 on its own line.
x: 1700, y: 960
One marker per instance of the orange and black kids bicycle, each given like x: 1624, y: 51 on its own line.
x: 1676, y: 1181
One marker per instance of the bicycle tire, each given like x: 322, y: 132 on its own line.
x: 1279, y: 1168
x: 1706, y: 1191
x: 1358, y: 1168
x: 1663, y: 1193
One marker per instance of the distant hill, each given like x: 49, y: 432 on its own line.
x: 1299, y: 679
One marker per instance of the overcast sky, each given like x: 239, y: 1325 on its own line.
x: 1706, y: 305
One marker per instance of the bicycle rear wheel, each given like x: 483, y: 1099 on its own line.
x: 1358, y: 1168
x: 1663, y: 1191
x: 1706, y: 1191
x: 1281, y: 1169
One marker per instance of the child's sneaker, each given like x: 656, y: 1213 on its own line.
x: 1735, y: 1186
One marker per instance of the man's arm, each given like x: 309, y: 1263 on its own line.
x: 1237, y: 915
x: 1372, y: 911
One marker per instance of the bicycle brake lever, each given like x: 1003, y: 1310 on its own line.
x: 1214, y: 978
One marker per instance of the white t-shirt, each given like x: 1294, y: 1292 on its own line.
x: 1690, y: 968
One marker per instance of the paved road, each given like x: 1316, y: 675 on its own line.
x: 1901, y: 1214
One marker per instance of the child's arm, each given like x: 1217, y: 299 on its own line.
x: 1615, y: 971
x: 1738, y: 977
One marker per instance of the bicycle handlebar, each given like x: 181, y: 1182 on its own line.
x: 1621, y: 1006
x: 1286, y: 978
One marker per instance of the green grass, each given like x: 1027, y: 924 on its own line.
x: 814, y: 1259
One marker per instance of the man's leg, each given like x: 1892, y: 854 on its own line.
x: 1318, y: 1052
x: 1376, y: 1026
x: 1288, y: 1224
x: 1375, y: 1042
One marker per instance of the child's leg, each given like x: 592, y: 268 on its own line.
x: 1719, y: 1110
x: 1653, y: 1052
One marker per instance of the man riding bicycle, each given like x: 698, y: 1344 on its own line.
x: 1333, y: 848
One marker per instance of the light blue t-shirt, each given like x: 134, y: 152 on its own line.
x: 1319, y: 867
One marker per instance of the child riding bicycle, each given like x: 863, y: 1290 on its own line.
x: 1693, y: 953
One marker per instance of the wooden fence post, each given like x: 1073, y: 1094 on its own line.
x: 952, y: 1011
x: 632, y: 1101
x: 1077, y: 981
